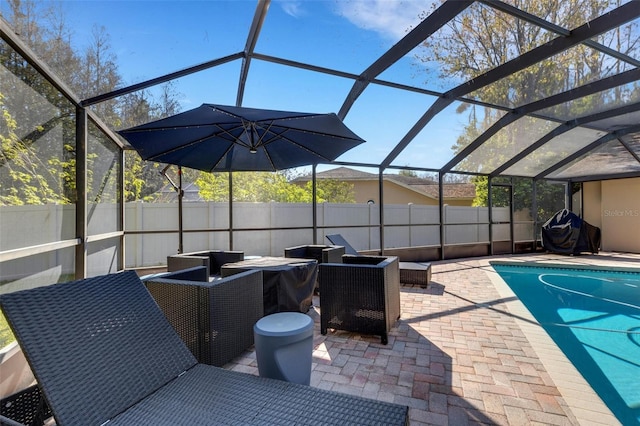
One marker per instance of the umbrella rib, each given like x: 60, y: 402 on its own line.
x: 222, y: 157
x: 282, y: 136
x: 230, y: 136
x: 313, y: 132
x: 194, y: 142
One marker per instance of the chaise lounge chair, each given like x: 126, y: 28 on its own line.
x: 102, y: 351
x: 410, y: 272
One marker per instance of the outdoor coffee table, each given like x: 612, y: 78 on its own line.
x: 288, y: 283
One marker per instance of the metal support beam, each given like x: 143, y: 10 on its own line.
x: 254, y: 32
x: 436, y: 20
x: 314, y: 203
x: 490, y: 211
x: 121, y: 210
x: 381, y: 207
x: 599, y: 25
x: 579, y: 92
x: 441, y: 207
x: 230, y: 210
x: 593, y: 145
x: 534, y: 213
x: 626, y: 109
x: 81, y: 191
x: 521, y: 14
x: 159, y: 80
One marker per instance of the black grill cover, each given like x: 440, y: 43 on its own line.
x: 567, y: 233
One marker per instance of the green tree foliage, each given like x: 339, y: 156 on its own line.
x: 267, y: 186
x: 38, y: 125
x: 410, y: 173
x: 249, y: 187
x: 332, y: 191
x: 24, y: 173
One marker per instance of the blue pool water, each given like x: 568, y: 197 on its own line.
x: 593, y: 315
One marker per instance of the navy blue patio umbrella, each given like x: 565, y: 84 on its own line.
x: 216, y: 138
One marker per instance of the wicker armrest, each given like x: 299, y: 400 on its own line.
x: 217, y: 258
x: 296, y: 252
x: 214, y: 319
x: 178, y: 262
x: 197, y: 273
x: 321, y: 253
x: 332, y: 254
x: 212, y: 259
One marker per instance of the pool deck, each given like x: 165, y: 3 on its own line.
x: 465, y: 352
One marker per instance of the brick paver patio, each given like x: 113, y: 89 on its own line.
x: 464, y: 352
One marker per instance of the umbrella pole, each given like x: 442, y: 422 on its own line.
x: 314, y: 204
x: 178, y: 189
x: 180, y: 195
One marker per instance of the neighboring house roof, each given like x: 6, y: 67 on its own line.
x: 191, y: 193
x: 425, y: 186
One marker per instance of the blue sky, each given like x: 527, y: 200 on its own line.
x: 153, y: 38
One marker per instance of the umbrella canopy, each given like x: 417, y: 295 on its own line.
x: 225, y: 138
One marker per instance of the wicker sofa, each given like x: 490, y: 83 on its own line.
x: 212, y: 259
x: 103, y: 352
x: 361, y: 294
x: 215, y: 319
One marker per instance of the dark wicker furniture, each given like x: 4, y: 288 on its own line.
x: 102, y: 351
x: 362, y: 295
x: 321, y: 253
x: 212, y: 259
x: 287, y: 283
x: 215, y: 319
x: 27, y: 407
x: 410, y: 272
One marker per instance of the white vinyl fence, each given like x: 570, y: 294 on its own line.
x: 256, y: 229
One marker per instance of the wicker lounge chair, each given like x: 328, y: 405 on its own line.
x: 102, y: 351
x: 410, y: 272
x: 215, y: 319
x: 362, y: 295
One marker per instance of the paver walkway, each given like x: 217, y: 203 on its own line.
x: 464, y: 352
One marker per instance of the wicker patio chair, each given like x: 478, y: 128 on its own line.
x: 321, y: 253
x: 362, y: 295
x: 102, y: 351
x: 212, y: 259
x: 215, y: 319
x: 410, y: 272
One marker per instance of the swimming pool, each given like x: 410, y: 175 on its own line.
x: 593, y: 315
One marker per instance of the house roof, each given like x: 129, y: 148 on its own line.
x: 190, y: 190
x: 424, y: 186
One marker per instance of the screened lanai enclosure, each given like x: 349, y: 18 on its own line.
x: 481, y: 119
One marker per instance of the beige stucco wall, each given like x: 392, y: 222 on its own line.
x: 393, y: 194
x: 592, y: 203
x: 397, y: 194
x: 614, y: 206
